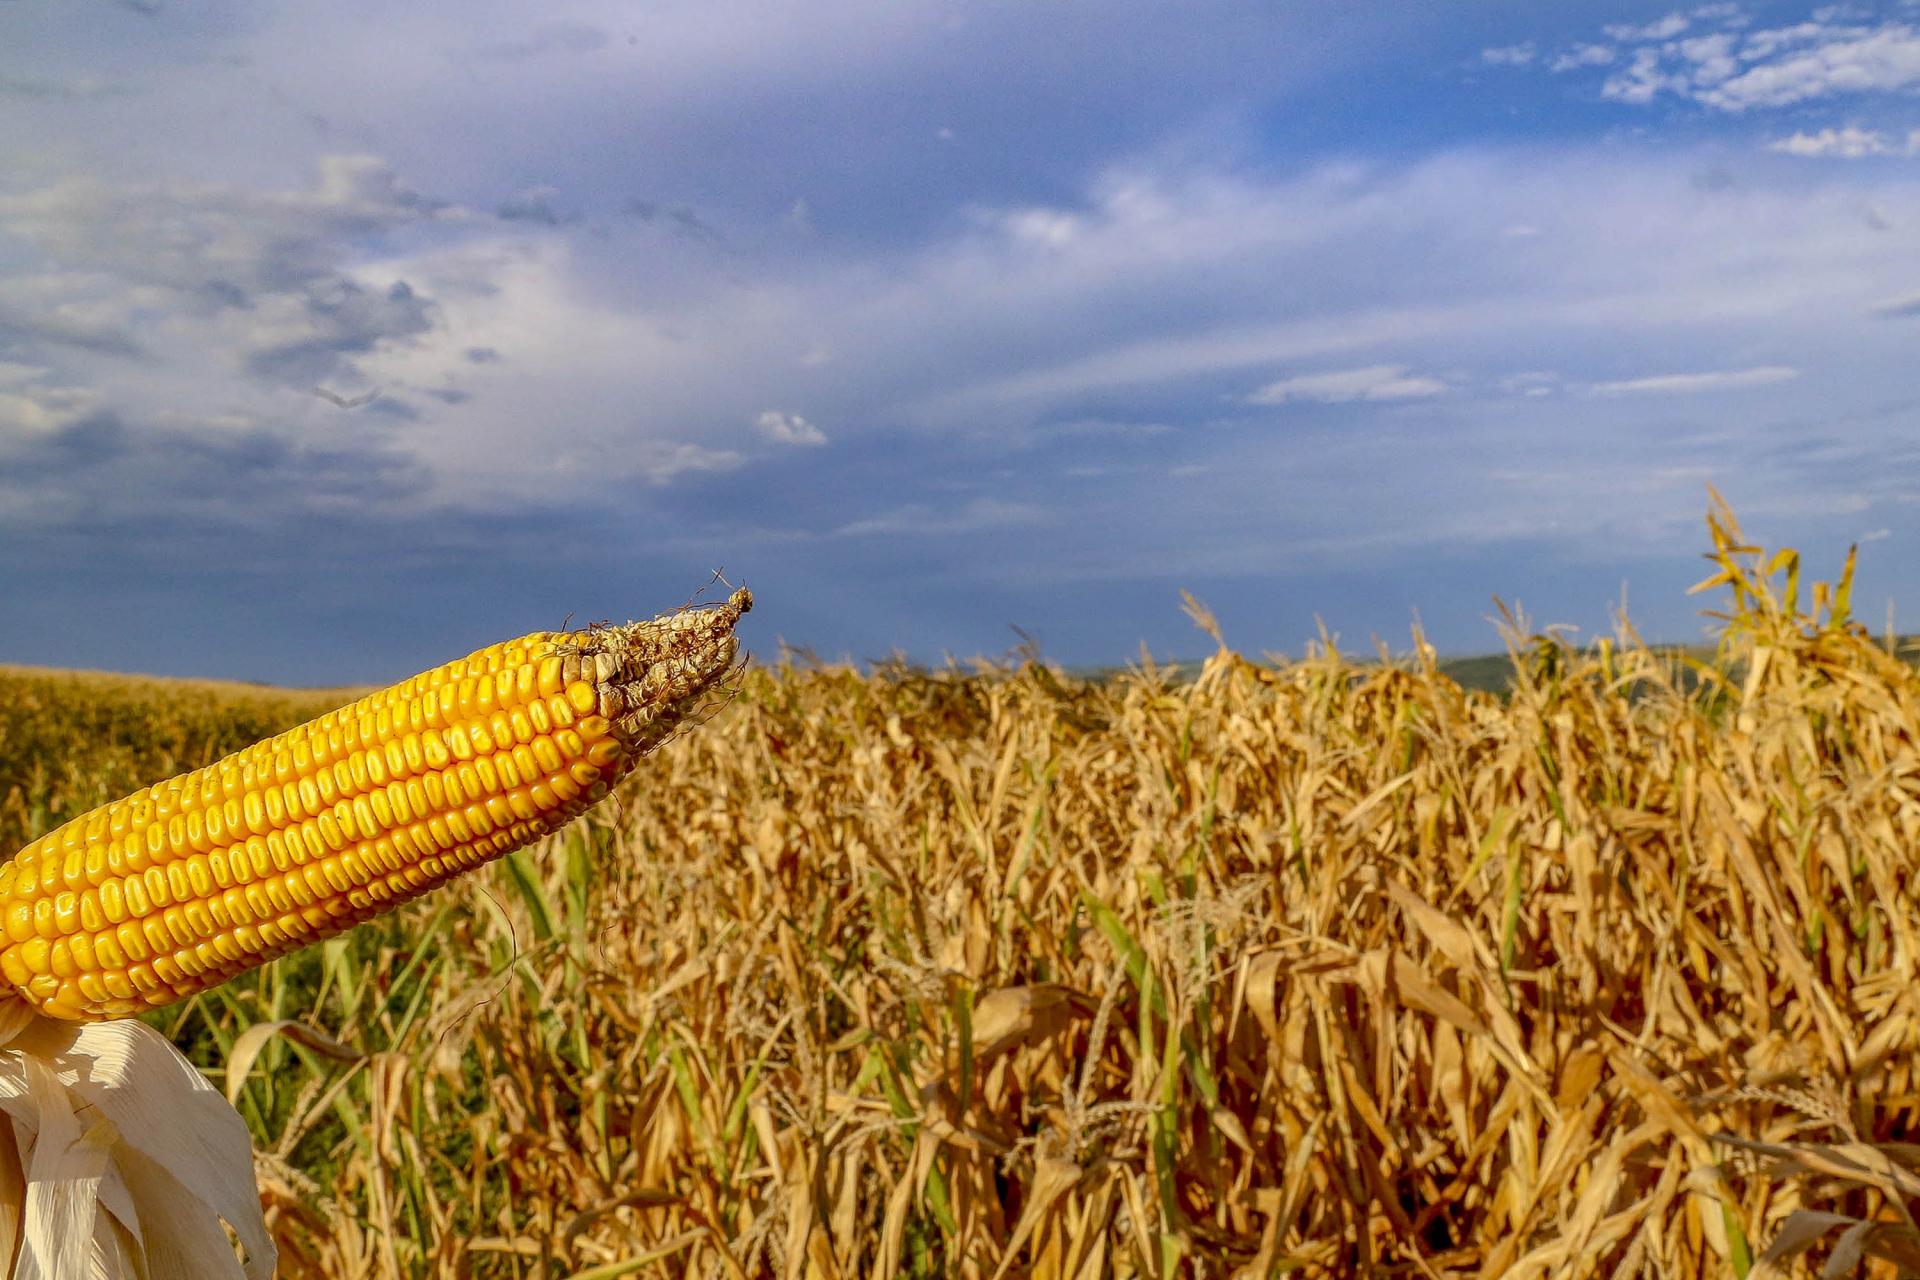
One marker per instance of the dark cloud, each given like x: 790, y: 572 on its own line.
x: 535, y: 206
x: 482, y: 355
x: 340, y: 319
x: 680, y: 219
x: 101, y: 470
x: 20, y: 329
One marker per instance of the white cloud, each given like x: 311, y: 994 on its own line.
x: 1374, y: 382
x: 29, y: 409
x: 1837, y: 61
x: 918, y: 519
x: 1660, y: 29
x: 1876, y: 535
x: 1512, y: 55
x: 1697, y: 383
x: 1642, y: 80
x: 1733, y: 69
x: 1048, y: 228
x: 1848, y: 143
x: 1533, y: 382
x: 789, y: 428
x: 1584, y: 55
x: 1898, y: 307
x: 661, y: 462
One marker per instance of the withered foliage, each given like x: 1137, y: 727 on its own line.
x: 1310, y: 968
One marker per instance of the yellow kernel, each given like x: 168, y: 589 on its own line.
x: 299, y: 893
x: 43, y: 918
x: 14, y: 967
x: 582, y: 696
x: 133, y: 941
x: 605, y: 753
x: 158, y: 936
x: 37, y: 955
x: 106, y: 949
x: 19, y: 921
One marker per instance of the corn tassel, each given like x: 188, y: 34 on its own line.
x: 177, y: 888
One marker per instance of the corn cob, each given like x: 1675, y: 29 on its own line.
x: 179, y: 887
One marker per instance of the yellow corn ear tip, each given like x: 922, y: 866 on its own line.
x: 179, y: 887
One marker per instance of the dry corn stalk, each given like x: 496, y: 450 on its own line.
x: 179, y: 887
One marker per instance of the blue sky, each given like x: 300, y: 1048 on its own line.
x: 336, y: 338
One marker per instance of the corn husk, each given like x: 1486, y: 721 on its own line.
x: 118, y: 1161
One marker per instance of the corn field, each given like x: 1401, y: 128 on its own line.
x: 1319, y: 968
